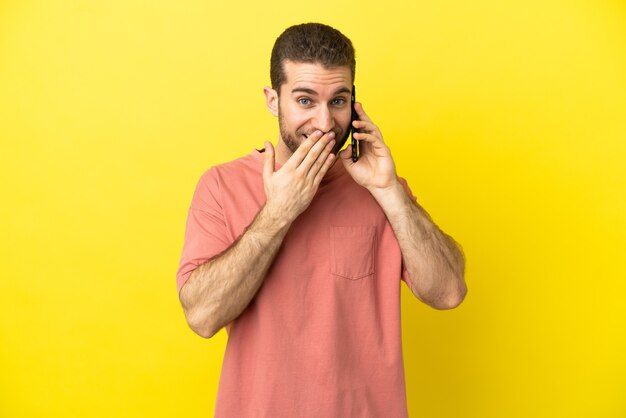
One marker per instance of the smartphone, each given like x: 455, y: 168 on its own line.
x: 354, y: 142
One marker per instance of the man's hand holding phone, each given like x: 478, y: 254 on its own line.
x: 375, y: 169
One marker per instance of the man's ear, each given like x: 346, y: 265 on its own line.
x: 271, y: 99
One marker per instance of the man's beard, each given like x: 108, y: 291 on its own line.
x: 294, y: 141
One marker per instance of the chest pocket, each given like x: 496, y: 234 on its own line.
x: 352, y: 251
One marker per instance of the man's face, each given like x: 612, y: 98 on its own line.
x: 313, y: 98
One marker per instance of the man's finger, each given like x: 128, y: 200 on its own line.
x: 359, y: 111
x: 346, y: 154
x: 296, y: 159
x: 365, y: 126
x: 324, y: 169
x: 321, y: 159
x: 314, y: 153
x: 367, y: 137
x: 269, y: 165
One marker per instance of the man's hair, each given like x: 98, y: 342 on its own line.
x: 311, y: 43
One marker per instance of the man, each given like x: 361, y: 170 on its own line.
x: 300, y: 256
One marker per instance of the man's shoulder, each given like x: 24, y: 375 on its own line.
x: 237, y: 169
x: 230, y: 180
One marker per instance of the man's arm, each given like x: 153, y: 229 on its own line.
x: 219, y: 290
x: 433, y: 260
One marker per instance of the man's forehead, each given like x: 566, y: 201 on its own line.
x: 316, y: 73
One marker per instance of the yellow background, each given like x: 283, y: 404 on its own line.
x: 508, y: 118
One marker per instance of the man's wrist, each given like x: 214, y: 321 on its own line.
x: 390, y: 198
x: 271, y: 222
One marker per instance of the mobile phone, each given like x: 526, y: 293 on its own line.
x: 354, y: 142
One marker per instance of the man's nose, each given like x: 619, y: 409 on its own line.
x: 324, y: 119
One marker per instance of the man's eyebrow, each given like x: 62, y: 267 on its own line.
x: 304, y: 90
x: 342, y: 90
x: 314, y: 93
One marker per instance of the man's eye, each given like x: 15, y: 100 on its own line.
x: 338, y: 101
x: 304, y: 101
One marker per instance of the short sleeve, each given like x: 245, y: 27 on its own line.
x: 206, y: 233
x: 408, y: 191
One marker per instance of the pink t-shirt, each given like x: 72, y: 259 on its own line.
x: 322, y: 336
